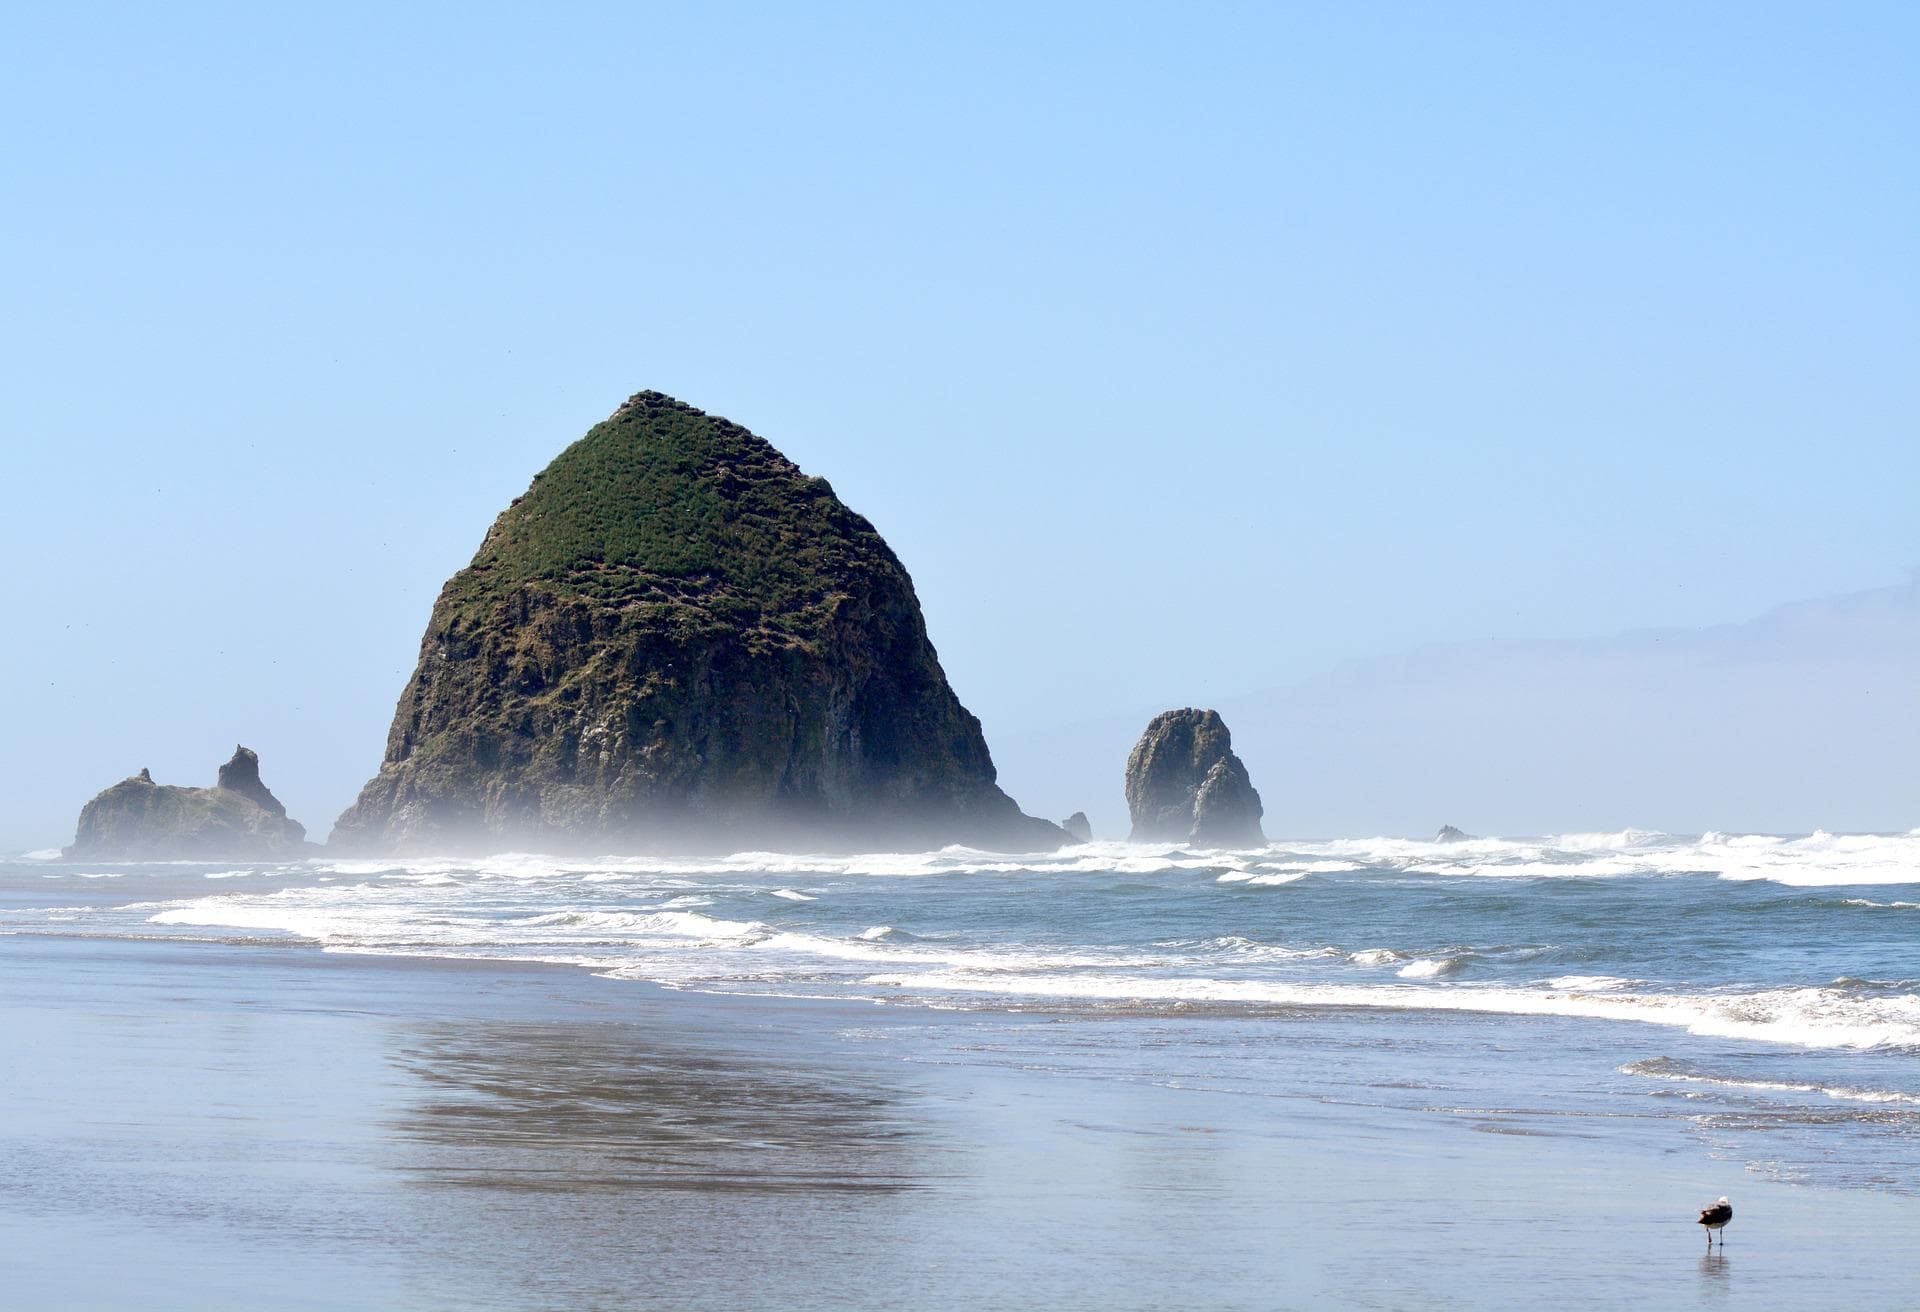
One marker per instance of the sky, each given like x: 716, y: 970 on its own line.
x: 1181, y: 352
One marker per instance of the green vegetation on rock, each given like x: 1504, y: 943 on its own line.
x: 668, y: 509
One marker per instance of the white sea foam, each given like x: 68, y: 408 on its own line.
x: 1815, y: 1018
x: 376, y: 918
x: 1663, y: 1068
x: 684, y: 924
x: 1616, y: 841
x: 1376, y: 957
x: 793, y: 895
x: 1432, y: 967
x: 887, y: 948
x: 1084, y: 858
x: 1244, y: 948
x: 1816, y: 860
x: 1589, y: 983
x: 42, y: 854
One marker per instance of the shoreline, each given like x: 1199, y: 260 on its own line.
x: 399, y: 1130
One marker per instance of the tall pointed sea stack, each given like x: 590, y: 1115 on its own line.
x: 675, y: 640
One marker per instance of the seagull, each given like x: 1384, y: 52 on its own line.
x: 1716, y: 1218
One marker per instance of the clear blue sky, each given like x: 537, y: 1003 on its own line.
x: 1180, y: 351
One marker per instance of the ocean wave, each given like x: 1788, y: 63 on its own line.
x: 376, y: 919
x: 1806, y: 1017
x: 1819, y: 859
x: 1449, y: 962
x: 1665, y: 1068
x: 1154, y: 924
x: 670, y: 942
x: 1084, y: 858
x: 1432, y: 967
x: 1241, y: 947
x: 679, y: 924
x: 1621, y: 840
x: 1877, y: 985
x: 1812, y: 860
x: 1589, y: 983
x: 895, y: 949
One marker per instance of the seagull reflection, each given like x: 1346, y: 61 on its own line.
x: 1713, y: 1272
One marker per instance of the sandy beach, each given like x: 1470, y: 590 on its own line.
x: 203, y: 1125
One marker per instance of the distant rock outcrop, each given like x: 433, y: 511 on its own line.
x: 677, y: 640
x: 1185, y: 785
x: 1078, y: 827
x: 236, y: 820
x: 242, y: 775
x: 1448, y: 834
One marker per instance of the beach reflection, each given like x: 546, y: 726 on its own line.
x: 598, y: 1165
x: 618, y: 1107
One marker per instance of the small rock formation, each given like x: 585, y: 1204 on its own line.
x: 235, y: 820
x: 1185, y: 785
x: 1448, y: 834
x: 1078, y: 827
x: 677, y: 640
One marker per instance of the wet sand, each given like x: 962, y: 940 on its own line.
x: 202, y: 1125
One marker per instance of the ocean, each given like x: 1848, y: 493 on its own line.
x: 1739, y: 1014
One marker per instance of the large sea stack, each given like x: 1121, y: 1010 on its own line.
x: 676, y: 640
x: 1185, y: 785
x: 235, y: 820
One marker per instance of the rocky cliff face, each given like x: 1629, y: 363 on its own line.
x: 236, y: 820
x: 1185, y: 785
x: 677, y: 640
